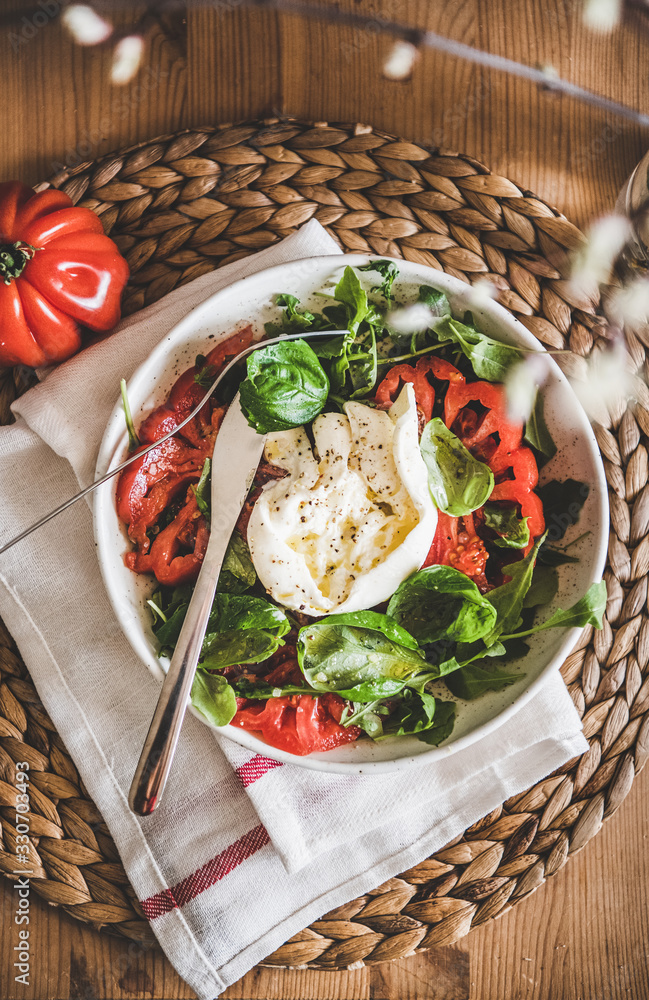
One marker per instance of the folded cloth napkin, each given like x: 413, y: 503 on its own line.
x: 242, y: 852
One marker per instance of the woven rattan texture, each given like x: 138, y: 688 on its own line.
x: 184, y: 204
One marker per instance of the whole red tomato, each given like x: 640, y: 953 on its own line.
x: 58, y: 270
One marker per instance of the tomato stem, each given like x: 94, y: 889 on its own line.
x: 14, y: 257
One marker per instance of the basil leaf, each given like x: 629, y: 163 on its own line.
x: 490, y: 359
x: 588, y: 610
x: 537, y: 434
x: 513, y: 532
x: 441, y: 603
x: 472, y: 681
x: 508, y: 598
x: 562, y: 503
x: 202, y: 490
x: 351, y: 293
x: 242, y: 629
x: 214, y: 698
x: 286, y: 387
x: 458, y: 482
x: 237, y: 572
x: 388, y: 271
x: 361, y: 662
x: 442, y: 726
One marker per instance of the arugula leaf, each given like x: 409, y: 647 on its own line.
x: 286, y: 387
x: 204, y: 374
x: 242, y: 629
x: 513, y: 532
x: 588, y: 610
x: 537, y: 434
x: 554, y: 557
x: 490, y: 359
x: 472, y: 681
x: 237, y: 572
x: 543, y: 589
x: 508, y: 598
x: 366, y: 716
x: 294, y: 321
x: 440, y: 603
x: 363, y: 661
x: 202, y: 490
x: 133, y: 440
x: 214, y: 698
x: 442, y: 726
x: 388, y: 271
x: 458, y: 482
x: 435, y: 300
x: 562, y: 503
x: 414, y: 712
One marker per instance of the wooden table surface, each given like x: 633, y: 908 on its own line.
x: 584, y: 934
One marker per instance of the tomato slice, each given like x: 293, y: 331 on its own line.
x: 299, y: 724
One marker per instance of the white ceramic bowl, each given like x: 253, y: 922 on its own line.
x: 251, y: 300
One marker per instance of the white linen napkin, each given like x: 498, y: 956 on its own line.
x: 242, y: 852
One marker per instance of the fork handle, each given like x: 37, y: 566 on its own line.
x: 154, y: 764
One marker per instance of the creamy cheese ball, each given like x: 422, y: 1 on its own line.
x: 353, y: 518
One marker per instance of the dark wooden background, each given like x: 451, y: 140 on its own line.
x: 584, y: 934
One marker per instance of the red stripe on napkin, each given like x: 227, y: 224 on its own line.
x: 205, y: 876
x: 256, y: 768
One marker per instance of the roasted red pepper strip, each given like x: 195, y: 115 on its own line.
x: 300, y: 724
x: 147, y: 487
x: 166, y: 558
x: 391, y: 385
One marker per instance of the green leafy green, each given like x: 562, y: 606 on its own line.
x: 363, y: 656
x: 202, y: 490
x: 512, y: 531
x: 213, y: 697
x: 435, y: 300
x: 351, y: 293
x: 458, y: 482
x: 474, y: 680
x: 543, y: 589
x: 242, y: 629
x: 388, y: 271
x: 537, y: 434
x: 442, y: 726
x: 133, y: 439
x: 562, y: 504
x: 440, y: 603
x: 508, y: 598
x: 294, y: 320
x: 588, y: 610
x: 413, y: 712
x: 286, y: 387
x: 490, y: 359
x: 237, y: 572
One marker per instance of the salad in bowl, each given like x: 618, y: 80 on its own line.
x: 410, y: 559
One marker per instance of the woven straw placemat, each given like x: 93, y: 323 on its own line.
x: 184, y: 204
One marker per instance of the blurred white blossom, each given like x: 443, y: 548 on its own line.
x: 609, y: 380
x: 85, y: 25
x: 522, y: 383
x: 400, y: 61
x: 127, y: 59
x: 628, y: 306
x: 602, y: 15
x: 410, y: 319
x: 481, y: 293
x: 592, y: 265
